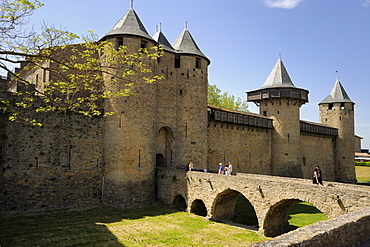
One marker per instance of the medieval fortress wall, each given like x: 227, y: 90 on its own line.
x: 73, y: 161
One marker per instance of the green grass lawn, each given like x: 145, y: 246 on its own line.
x: 303, y: 214
x: 363, y: 174
x: 156, y: 225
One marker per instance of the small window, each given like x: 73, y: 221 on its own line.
x: 143, y: 44
x: 198, y: 63
x: 119, y: 43
x: 177, y: 61
x: 342, y: 106
x: 331, y: 105
x: 264, y: 113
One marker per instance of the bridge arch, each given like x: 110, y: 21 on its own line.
x: 276, y: 219
x: 224, y: 206
x: 199, y: 208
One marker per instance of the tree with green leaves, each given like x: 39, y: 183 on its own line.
x: 222, y: 99
x: 61, y: 71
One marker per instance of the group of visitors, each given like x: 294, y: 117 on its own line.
x: 317, y: 176
x: 227, y: 170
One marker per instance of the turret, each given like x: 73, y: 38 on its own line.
x: 280, y: 100
x: 337, y: 110
x: 163, y: 124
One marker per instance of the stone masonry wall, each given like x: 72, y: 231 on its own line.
x: 247, y: 148
x: 349, y: 230
x: 54, y: 166
x: 318, y: 150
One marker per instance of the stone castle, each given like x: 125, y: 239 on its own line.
x: 168, y: 124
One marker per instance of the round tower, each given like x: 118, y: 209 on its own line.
x: 163, y: 124
x: 129, y: 176
x: 337, y: 110
x: 280, y: 100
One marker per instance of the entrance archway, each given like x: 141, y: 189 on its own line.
x: 164, y: 147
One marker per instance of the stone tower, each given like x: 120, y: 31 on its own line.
x: 337, y: 110
x: 280, y: 100
x: 164, y: 124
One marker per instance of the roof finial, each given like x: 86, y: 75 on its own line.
x: 156, y: 28
x: 132, y: 4
x: 160, y: 27
x: 337, y: 75
x: 280, y: 56
x: 186, y: 25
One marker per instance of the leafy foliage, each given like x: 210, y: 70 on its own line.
x: 62, y: 71
x: 217, y: 98
x: 357, y: 163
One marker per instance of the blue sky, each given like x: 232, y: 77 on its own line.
x: 243, y: 40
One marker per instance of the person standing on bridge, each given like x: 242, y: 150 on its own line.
x: 319, y: 176
x: 314, y: 178
x: 229, y: 169
x: 221, y: 170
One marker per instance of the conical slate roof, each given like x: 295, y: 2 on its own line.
x: 278, y: 77
x: 129, y: 24
x: 337, y: 95
x: 186, y: 44
x: 162, y: 40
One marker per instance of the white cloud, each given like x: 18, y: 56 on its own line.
x: 366, y: 3
x: 285, y: 4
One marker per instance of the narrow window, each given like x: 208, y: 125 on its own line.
x: 143, y: 44
x: 264, y: 113
x: 120, y: 43
x: 198, y: 63
x: 331, y: 105
x: 342, y: 106
x: 177, y: 61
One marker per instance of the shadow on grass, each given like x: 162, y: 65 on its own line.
x: 73, y: 227
x: 304, y: 208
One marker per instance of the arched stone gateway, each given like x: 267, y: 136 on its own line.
x: 179, y: 203
x: 164, y: 147
x: 198, y: 208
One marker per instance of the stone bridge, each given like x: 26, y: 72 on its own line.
x: 214, y: 196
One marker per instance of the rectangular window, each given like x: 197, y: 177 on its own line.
x: 177, y: 61
x: 198, y: 63
x: 143, y: 44
x: 331, y: 105
x: 119, y: 43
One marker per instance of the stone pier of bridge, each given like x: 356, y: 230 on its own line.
x: 214, y: 196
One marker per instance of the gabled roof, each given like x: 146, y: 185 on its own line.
x: 129, y: 24
x: 278, y: 77
x: 162, y: 40
x: 186, y: 44
x: 337, y: 95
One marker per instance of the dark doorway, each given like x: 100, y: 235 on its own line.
x: 160, y: 160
